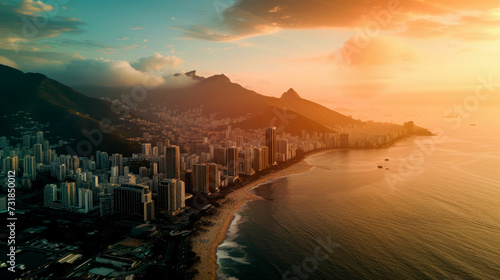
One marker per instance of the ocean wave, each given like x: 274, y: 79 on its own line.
x: 229, y: 244
x: 229, y: 247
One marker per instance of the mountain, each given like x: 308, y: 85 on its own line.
x: 290, y: 94
x: 67, y: 111
x: 217, y: 94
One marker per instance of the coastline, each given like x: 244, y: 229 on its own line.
x: 217, y: 232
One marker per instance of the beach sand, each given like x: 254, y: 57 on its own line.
x: 216, y: 233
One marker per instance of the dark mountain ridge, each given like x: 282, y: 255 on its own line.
x: 68, y: 111
x: 217, y: 94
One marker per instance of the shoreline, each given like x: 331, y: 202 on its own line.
x: 216, y: 234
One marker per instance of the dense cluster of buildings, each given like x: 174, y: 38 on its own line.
x: 160, y: 178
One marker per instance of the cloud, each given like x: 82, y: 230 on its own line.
x: 158, y: 63
x: 130, y: 47
x: 381, y: 50
x: 30, y: 20
x: 257, y: 17
x: 155, y: 70
x: 104, y: 72
x: 30, y: 7
x: 469, y: 27
x: 8, y: 62
x: 275, y: 9
x: 366, y: 71
x: 84, y: 44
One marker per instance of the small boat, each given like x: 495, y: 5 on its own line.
x: 472, y: 124
x: 386, y: 159
x: 380, y: 166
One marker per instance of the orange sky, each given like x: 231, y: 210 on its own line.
x: 338, y: 53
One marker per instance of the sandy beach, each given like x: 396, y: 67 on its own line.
x: 216, y: 233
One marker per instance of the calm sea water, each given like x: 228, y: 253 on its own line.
x: 433, y: 214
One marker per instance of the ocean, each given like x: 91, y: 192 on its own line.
x: 431, y: 212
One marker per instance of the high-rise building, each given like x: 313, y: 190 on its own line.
x: 11, y: 164
x: 232, y: 161
x: 60, y: 171
x: 29, y: 167
x: 117, y: 160
x: 74, y: 163
x: 344, y: 140
x: 265, y: 157
x: 153, y: 169
x: 47, y: 156
x: 173, y: 162
x: 102, y: 160
x: 38, y: 152
x: 114, y: 171
x: 201, y: 178
x: 271, y: 144
x: 213, y: 177
x: 199, y: 146
x: 85, y: 200
x: 146, y: 149
x: 247, y: 161
x: 171, y: 195
x: 283, y: 148
x: 162, y: 164
x: 187, y: 178
x: 220, y: 155
x: 68, y: 194
x: 45, y: 145
x: 107, y: 205
x: 39, y: 137
x: 136, y: 200
x: 258, y: 159
x: 27, y: 141
x: 159, y: 145
x: 240, y: 140
x: 49, y: 194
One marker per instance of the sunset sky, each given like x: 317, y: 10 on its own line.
x: 337, y: 53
